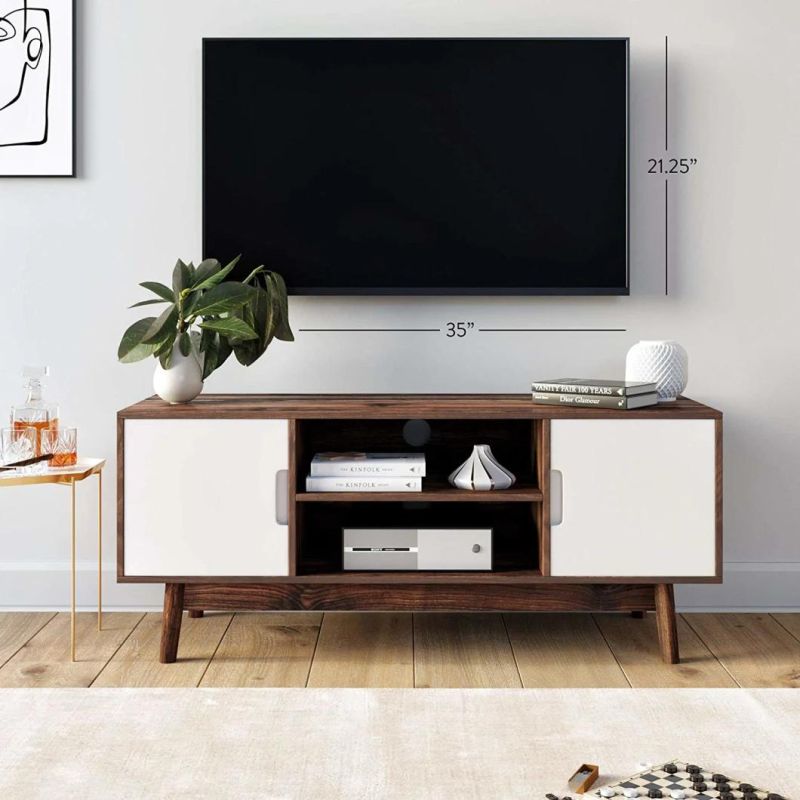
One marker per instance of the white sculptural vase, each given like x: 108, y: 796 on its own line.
x: 481, y: 472
x: 663, y: 362
x: 183, y: 381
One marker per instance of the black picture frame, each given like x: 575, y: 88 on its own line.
x: 73, y: 73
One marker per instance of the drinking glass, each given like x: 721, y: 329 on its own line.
x: 63, y: 444
x: 17, y: 444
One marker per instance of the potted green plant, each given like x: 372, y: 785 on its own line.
x: 207, y: 317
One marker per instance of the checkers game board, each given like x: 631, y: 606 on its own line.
x: 677, y: 779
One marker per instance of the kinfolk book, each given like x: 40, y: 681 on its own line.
x: 336, y: 465
x: 363, y: 484
x: 595, y: 400
x: 590, y: 386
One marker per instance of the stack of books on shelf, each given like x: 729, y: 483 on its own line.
x: 366, y: 472
x: 625, y: 395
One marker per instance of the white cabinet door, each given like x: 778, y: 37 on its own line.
x: 200, y: 497
x: 634, y: 497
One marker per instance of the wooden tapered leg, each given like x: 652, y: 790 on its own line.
x: 637, y: 614
x: 665, y: 620
x: 195, y: 613
x: 171, y: 622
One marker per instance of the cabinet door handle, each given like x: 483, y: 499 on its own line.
x: 282, y: 497
x: 556, y: 497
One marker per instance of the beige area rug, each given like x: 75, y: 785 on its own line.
x: 361, y: 743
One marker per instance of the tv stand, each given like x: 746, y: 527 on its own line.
x: 610, y: 508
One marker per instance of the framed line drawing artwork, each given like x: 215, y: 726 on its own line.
x: 37, y: 88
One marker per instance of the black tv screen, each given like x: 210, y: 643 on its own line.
x: 419, y: 166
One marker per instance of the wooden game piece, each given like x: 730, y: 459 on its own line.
x: 584, y: 778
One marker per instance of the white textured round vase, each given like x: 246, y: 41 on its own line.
x: 660, y: 361
x: 182, y: 382
x: 481, y: 472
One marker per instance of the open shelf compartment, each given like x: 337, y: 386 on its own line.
x: 513, y: 443
x: 515, y: 540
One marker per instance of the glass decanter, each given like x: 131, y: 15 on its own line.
x: 35, y: 412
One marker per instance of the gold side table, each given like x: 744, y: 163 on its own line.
x: 69, y: 476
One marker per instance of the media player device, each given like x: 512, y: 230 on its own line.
x: 417, y: 548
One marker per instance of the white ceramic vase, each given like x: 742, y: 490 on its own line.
x: 481, y: 472
x: 660, y: 361
x: 183, y: 381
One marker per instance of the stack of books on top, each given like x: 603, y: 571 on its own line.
x: 366, y: 472
x: 623, y: 395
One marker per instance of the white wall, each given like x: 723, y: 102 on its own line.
x: 72, y: 252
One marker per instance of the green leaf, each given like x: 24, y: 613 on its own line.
x: 131, y: 347
x: 165, y: 348
x: 247, y: 352
x: 257, y: 271
x: 278, y: 294
x: 216, y: 353
x: 222, y: 299
x: 232, y: 327
x: 194, y: 338
x: 210, y: 351
x: 206, y: 340
x: 189, y: 302
x: 205, y: 269
x: 217, y: 277
x: 185, y: 343
x: 225, y: 349
x: 265, y: 318
x: 147, y: 303
x: 161, y: 326
x: 164, y: 292
x: 181, y: 278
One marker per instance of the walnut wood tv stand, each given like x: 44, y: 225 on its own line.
x: 610, y: 508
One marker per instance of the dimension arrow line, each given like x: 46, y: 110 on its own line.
x: 666, y: 92
x: 666, y: 236
x: 370, y: 330
x: 553, y: 330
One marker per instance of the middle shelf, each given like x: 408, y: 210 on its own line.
x: 432, y: 493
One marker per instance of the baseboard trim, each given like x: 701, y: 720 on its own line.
x: 46, y: 586
x: 748, y: 586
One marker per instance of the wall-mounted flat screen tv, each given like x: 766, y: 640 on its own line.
x: 419, y: 166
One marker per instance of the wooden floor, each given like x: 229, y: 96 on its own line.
x: 401, y: 650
